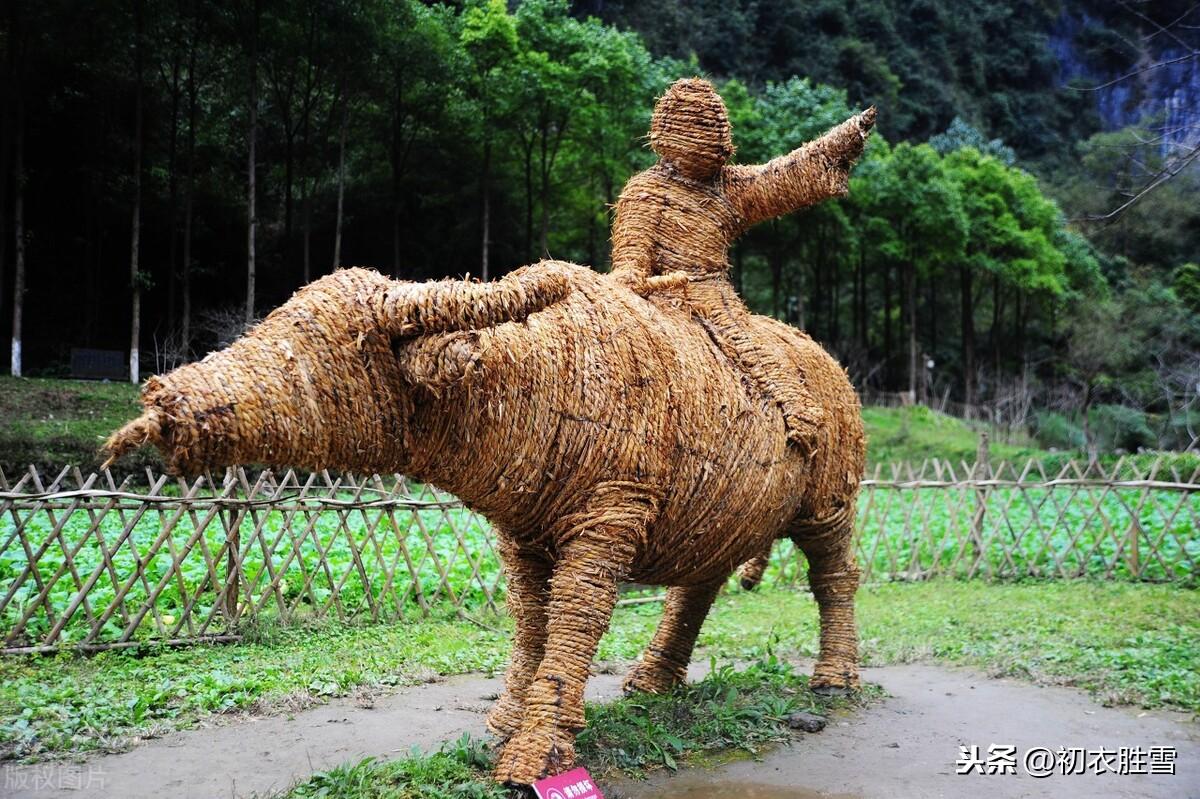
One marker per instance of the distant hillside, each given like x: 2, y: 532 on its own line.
x: 1004, y: 67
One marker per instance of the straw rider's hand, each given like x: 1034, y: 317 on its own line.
x: 645, y: 286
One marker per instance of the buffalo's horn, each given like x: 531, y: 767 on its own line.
x: 448, y: 305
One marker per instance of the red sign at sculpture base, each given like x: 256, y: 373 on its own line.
x: 575, y: 784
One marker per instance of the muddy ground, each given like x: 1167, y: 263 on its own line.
x: 905, y: 746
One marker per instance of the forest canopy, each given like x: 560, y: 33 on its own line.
x: 189, y: 164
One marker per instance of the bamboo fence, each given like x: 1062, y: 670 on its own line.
x: 89, y: 564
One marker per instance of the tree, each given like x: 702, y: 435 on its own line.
x: 993, y: 235
x: 419, y: 55
x: 924, y: 208
x: 1095, y: 349
x: 252, y: 162
x: 18, y: 299
x: 489, y: 35
x: 135, y: 274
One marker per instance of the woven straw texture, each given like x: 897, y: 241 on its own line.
x: 606, y: 435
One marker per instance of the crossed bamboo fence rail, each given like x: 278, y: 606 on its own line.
x: 87, y: 563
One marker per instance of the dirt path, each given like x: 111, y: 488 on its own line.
x: 906, y: 746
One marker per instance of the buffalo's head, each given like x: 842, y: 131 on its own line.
x: 326, y: 380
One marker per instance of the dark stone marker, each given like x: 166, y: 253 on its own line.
x: 98, y: 364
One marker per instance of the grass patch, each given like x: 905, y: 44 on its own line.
x: 53, y: 423
x: 71, y: 703
x: 916, y: 433
x: 1124, y: 642
x: 729, y: 710
x: 457, y: 771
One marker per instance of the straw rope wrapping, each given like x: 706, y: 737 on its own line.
x: 676, y: 221
x: 672, y: 232
x: 606, y: 436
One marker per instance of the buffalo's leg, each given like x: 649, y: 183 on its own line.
x: 528, y: 577
x: 665, y: 661
x: 583, y: 592
x: 833, y: 577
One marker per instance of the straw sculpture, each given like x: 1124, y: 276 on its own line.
x: 606, y: 436
x: 677, y: 220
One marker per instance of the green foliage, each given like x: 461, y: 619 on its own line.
x: 1127, y: 642
x: 730, y: 709
x: 1055, y: 430
x: 1186, y: 282
x: 916, y: 433
x: 1122, y: 427
x: 962, y: 135
x: 56, y: 423
x: 458, y: 770
x: 76, y: 703
x: 340, y: 543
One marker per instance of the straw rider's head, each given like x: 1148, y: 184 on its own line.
x: 690, y: 129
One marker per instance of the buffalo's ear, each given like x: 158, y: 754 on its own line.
x: 413, y: 309
x: 439, y: 362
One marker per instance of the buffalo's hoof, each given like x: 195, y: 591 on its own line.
x: 505, y: 716
x: 647, y: 679
x: 832, y: 690
x: 529, y: 755
x: 830, y: 680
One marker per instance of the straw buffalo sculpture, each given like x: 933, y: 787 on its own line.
x: 599, y: 422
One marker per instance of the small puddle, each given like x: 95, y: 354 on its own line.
x: 695, y: 786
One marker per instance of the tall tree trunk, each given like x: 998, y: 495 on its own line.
x: 932, y: 311
x: 173, y: 192
x: 967, y: 337
x: 910, y: 291
x: 307, y: 257
x: 185, y: 325
x: 887, y: 326
x: 308, y: 184
x: 289, y: 156
x: 860, y: 336
x: 251, y: 190
x: 590, y: 220
x: 528, y: 243
x: 997, y: 316
x: 835, y: 333
x: 135, y: 278
x: 5, y: 164
x: 397, y: 200
x: 8, y: 99
x: 543, y: 238
x: 486, y: 210
x: 18, y: 299
x: 341, y: 191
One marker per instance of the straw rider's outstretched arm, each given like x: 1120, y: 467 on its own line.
x: 814, y: 172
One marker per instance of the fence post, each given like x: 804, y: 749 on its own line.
x: 981, y: 471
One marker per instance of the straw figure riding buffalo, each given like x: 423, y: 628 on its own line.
x: 637, y: 426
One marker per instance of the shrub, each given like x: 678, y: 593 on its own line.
x: 1053, y: 429
x: 1119, y: 426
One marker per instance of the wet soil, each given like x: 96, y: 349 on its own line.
x: 905, y: 746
